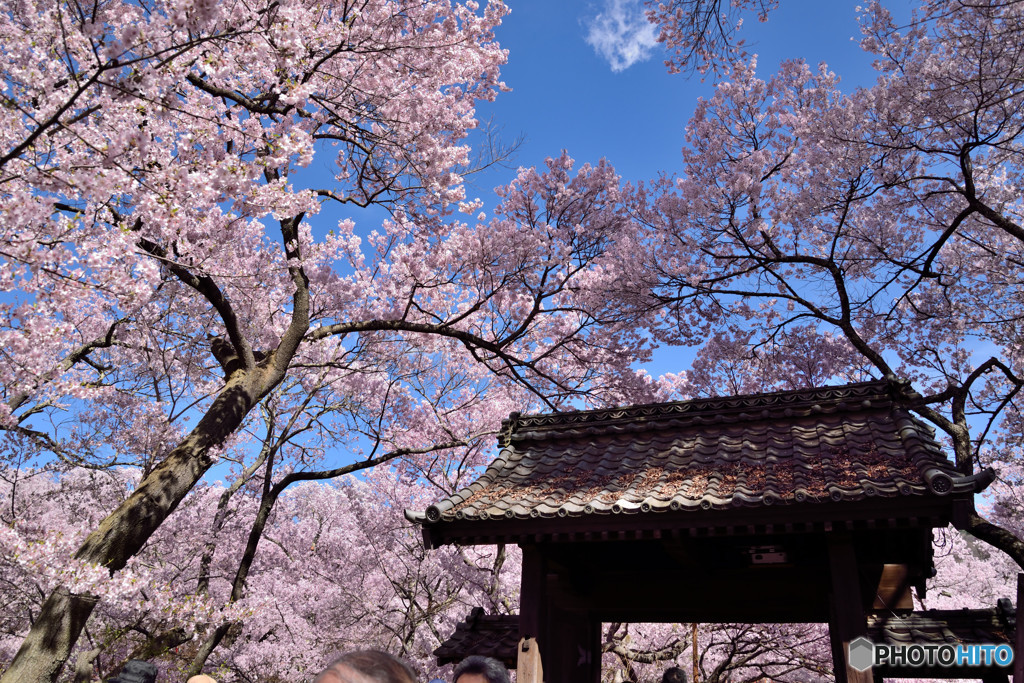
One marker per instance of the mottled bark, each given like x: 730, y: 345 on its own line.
x: 55, y: 631
x: 84, y: 665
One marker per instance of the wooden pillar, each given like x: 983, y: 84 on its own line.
x: 1018, y: 650
x: 533, y: 601
x: 568, y: 640
x: 846, y: 611
x: 574, y: 655
x: 529, y: 668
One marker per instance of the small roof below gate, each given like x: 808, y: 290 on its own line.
x: 489, y: 635
x: 830, y: 445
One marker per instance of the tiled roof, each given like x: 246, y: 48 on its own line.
x: 489, y: 635
x: 935, y: 627
x: 945, y: 627
x: 844, y: 443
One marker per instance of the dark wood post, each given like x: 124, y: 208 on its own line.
x: 574, y: 655
x: 533, y: 599
x: 567, y: 637
x: 1018, y: 642
x: 847, y: 620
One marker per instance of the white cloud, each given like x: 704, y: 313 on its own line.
x: 621, y: 34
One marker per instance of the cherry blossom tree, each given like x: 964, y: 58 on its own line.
x: 703, y: 35
x: 828, y: 235
x: 342, y: 571
x: 165, y: 270
x: 296, y: 422
x: 175, y: 295
x: 339, y: 571
x: 148, y: 609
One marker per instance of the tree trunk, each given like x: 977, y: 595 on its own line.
x: 56, y: 629
x: 996, y: 536
x: 206, y: 649
x: 85, y: 665
x: 124, y: 532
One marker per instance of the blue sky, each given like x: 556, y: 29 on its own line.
x: 587, y: 76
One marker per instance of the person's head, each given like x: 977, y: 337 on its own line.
x: 477, y: 669
x: 367, y: 666
x: 136, y: 671
x: 674, y: 675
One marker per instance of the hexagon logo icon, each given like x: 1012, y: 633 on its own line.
x: 862, y: 653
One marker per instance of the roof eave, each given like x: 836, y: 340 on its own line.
x: 876, y: 513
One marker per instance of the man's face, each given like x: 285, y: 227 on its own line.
x: 471, y: 678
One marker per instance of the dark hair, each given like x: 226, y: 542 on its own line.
x: 136, y: 671
x: 491, y: 669
x: 376, y: 665
x: 674, y: 675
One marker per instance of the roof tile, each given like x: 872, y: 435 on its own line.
x: 835, y: 443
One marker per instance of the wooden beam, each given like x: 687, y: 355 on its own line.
x: 893, y: 592
x: 561, y: 644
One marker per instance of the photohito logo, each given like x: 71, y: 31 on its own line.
x: 864, y: 654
